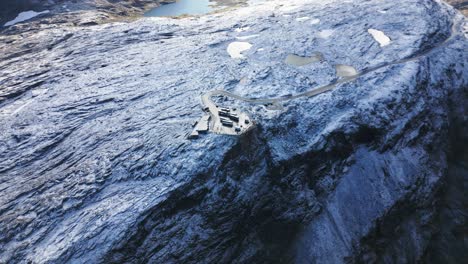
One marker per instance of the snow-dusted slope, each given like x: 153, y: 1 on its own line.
x: 95, y: 165
x: 24, y: 16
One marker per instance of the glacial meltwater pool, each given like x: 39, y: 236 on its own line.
x: 182, y: 7
x: 295, y: 60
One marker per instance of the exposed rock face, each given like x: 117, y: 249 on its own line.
x: 71, y: 12
x: 10, y: 8
x: 95, y: 165
x: 462, y: 5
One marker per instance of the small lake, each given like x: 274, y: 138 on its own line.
x: 182, y: 7
x: 296, y: 60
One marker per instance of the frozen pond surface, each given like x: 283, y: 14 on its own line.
x: 182, y: 7
x: 23, y: 16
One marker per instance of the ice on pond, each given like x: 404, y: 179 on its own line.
x: 236, y: 48
x: 379, y: 36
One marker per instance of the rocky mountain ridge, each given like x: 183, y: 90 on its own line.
x: 95, y: 165
x: 72, y: 13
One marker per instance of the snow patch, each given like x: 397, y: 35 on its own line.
x: 247, y: 37
x: 325, y: 33
x: 236, y: 48
x: 315, y: 21
x: 23, y: 16
x: 242, y: 29
x: 345, y: 70
x: 379, y: 36
x: 287, y: 8
x: 300, y: 19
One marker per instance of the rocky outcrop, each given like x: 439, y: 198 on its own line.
x: 12, y: 7
x: 462, y: 5
x: 95, y: 165
x: 71, y: 13
x: 9, y: 9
